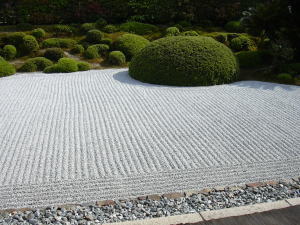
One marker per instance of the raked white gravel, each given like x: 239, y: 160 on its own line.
x: 80, y: 137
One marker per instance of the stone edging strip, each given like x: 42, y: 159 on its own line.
x: 215, y: 214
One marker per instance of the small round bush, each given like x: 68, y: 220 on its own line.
x: 35, y: 64
x: 78, y: 49
x: 107, y: 41
x: 38, y: 33
x: 30, y: 44
x: 138, y: 28
x: 87, y: 27
x: 241, y: 43
x: 94, y: 36
x: 54, y: 54
x: 62, y: 29
x: 83, y: 66
x: 130, y: 44
x: 285, y: 78
x: 250, y: 59
x: 58, y: 43
x: 172, y: 31
x: 95, y: 51
x: 185, y: 61
x: 234, y: 26
x: 110, y: 29
x: 6, y: 69
x: 117, y: 58
x: 64, y: 65
x: 189, y: 33
x: 9, y: 52
x: 100, y: 23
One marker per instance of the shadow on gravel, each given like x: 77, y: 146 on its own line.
x: 264, y: 85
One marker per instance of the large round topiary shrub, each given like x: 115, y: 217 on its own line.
x: 54, y: 54
x: 9, y: 52
x: 94, y: 36
x: 6, y: 69
x: 35, y: 64
x: 130, y: 44
x: 117, y: 58
x: 185, y: 61
x: 30, y: 44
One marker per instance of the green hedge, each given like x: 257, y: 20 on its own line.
x: 138, y: 28
x: 117, y: 58
x: 58, y: 43
x: 6, y: 69
x: 130, y: 44
x: 185, y: 61
x: 35, y: 64
x: 67, y: 65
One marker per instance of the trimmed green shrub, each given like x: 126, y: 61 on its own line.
x: 95, y: 51
x: 138, y: 28
x: 78, y: 49
x: 241, y: 43
x: 189, y: 33
x: 172, y: 31
x: 83, y: 66
x: 87, y: 27
x: 58, y: 43
x: 285, y: 78
x: 15, y: 39
x: 106, y: 41
x: 38, y: 33
x: 250, y: 59
x: 94, y: 36
x: 185, y: 61
x: 35, y: 64
x: 100, y: 23
x: 6, y: 69
x: 234, y: 26
x: 64, y: 65
x: 62, y: 29
x: 67, y: 65
x: 30, y: 44
x: 117, y: 58
x: 9, y: 52
x: 130, y: 44
x: 110, y: 29
x: 54, y: 54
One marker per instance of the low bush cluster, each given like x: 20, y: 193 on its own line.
x: 62, y: 29
x: 95, y: 51
x: 241, y: 43
x: 130, y: 44
x: 172, y: 31
x: 189, y: 33
x: 78, y: 49
x: 8, y: 52
x: 67, y: 65
x: 138, y: 28
x: 94, y: 36
x: 190, y: 61
x: 35, y: 64
x: 6, y: 69
x: 38, y: 33
x: 58, y: 43
x: 117, y: 58
x: 110, y: 29
x: 54, y: 54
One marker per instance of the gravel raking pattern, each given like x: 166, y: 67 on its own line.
x: 73, y: 138
x: 155, y: 206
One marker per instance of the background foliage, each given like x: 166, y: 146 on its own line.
x: 151, y: 11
